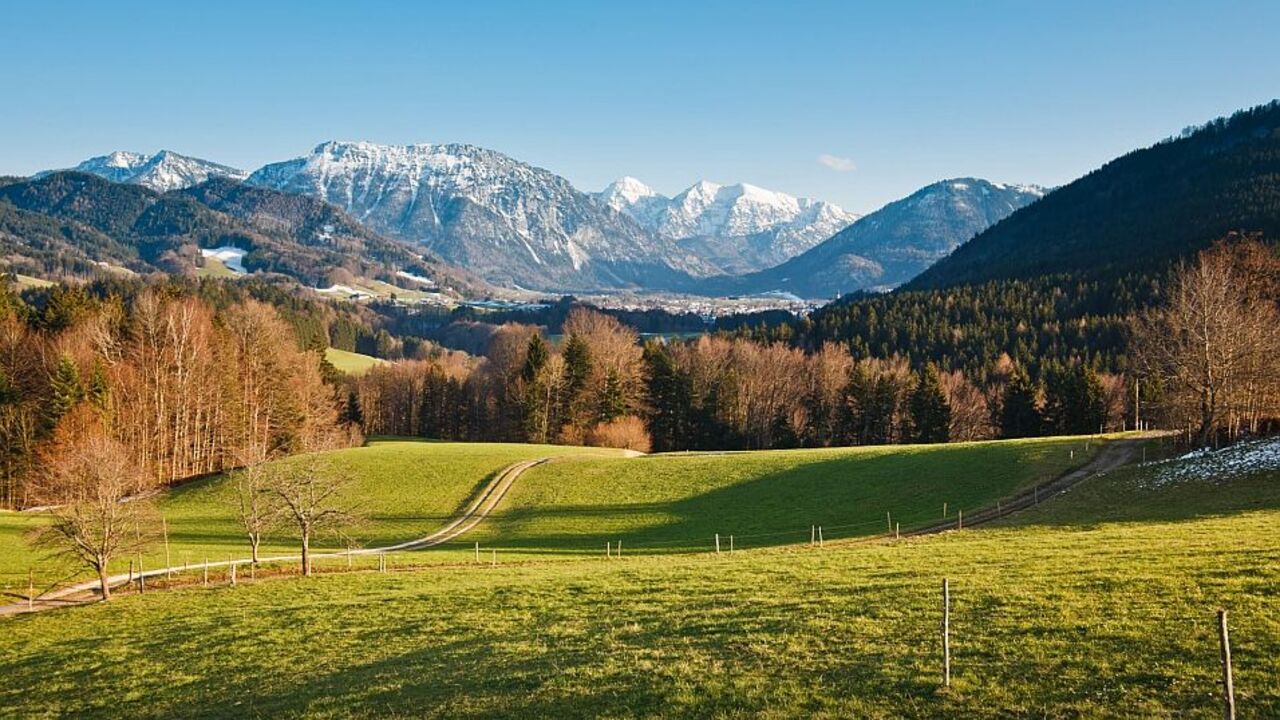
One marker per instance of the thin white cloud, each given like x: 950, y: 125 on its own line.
x: 837, y: 163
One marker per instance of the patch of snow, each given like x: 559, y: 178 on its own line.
x: 231, y: 256
x: 416, y: 278
x: 345, y: 291
x: 1239, y: 460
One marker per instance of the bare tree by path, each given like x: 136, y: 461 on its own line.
x: 256, y: 505
x: 309, y: 491
x: 96, y: 515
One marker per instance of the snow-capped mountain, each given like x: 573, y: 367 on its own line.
x: 162, y: 172
x: 508, y: 221
x: 893, y: 244
x: 739, y: 227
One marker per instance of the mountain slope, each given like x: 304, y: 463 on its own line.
x: 505, y: 220
x: 891, y: 245
x: 738, y: 228
x: 161, y: 172
x: 1139, y: 211
x: 69, y: 222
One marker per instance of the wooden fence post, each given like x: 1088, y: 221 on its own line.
x: 730, y: 544
x: 889, y: 519
x: 944, y: 511
x: 813, y: 535
x: 164, y: 526
x: 820, y: 536
x: 897, y: 531
x: 608, y: 549
x: 946, y: 633
x: 206, y: 572
x: 960, y: 520
x: 619, y: 548
x: 1228, y: 688
x: 717, y: 543
x: 477, y: 552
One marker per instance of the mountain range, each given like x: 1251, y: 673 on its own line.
x: 891, y: 245
x: 738, y: 228
x: 162, y: 172
x: 520, y: 226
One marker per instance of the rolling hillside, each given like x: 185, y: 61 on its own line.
x: 1098, y: 604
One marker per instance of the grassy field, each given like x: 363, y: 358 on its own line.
x: 406, y: 488
x: 1055, y: 614
x: 349, y: 362
x: 215, y: 268
x: 679, y: 502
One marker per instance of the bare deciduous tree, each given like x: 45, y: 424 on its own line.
x: 255, y: 504
x: 309, y: 491
x: 1212, y: 344
x: 94, y: 517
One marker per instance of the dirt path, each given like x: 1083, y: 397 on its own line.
x: 476, y: 511
x: 1112, y: 456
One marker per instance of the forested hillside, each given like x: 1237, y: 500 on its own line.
x: 68, y: 224
x: 1138, y: 212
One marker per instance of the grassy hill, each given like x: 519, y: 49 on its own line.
x: 1099, y: 604
x: 570, y: 508
x: 678, y: 502
x: 352, y: 363
x: 406, y: 488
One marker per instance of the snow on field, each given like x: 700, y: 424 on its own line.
x: 231, y: 256
x: 345, y: 291
x: 1238, y: 460
x: 416, y: 278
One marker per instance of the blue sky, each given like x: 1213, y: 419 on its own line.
x: 895, y: 94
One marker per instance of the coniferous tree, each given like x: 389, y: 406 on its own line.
x: 66, y: 388
x: 1019, y: 414
x: 930, y: 411
x: 670, y: 399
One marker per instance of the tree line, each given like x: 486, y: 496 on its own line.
x: 183, y: 386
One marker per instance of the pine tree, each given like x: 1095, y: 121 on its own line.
x: 613, y: 402
x: 930, y: 411
x: 351, y: 414
x: 534, y: 403
x: 99, y: 391
x: 1019, y: 415
x: 670, y: 399
x: 66, y: 388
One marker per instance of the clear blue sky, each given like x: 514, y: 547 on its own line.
x: 908, y: 93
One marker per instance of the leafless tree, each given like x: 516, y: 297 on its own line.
x: 1212, y: 344
x: 95, y: 515
x: 255, y: 499
x: 309, y: 491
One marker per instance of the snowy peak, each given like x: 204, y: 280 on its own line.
x: 163, y: 171
x: 627, y: 191
x: 739, y: 227
x: 511, y: 222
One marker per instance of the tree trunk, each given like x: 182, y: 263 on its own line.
x: 254, y: 542
x: 102, y: 580
x: 306, y: 552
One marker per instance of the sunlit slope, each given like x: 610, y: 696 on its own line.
x: 679, y: 502
x: 1056, y: 614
